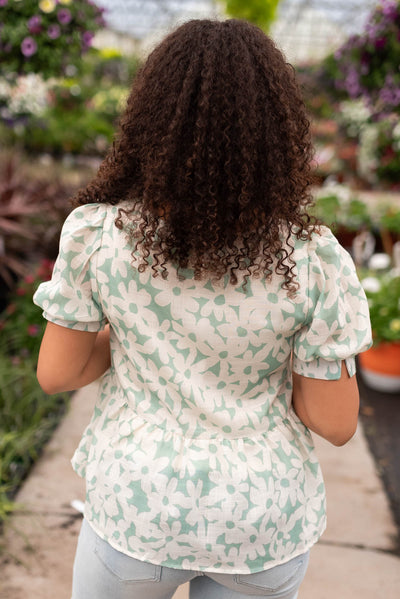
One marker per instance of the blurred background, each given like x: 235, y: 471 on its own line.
x: 65, y: 70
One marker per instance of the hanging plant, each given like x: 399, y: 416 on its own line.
x: 366, y: 66
x: 45, y: 36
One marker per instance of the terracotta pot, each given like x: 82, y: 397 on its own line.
x: 380, y: 366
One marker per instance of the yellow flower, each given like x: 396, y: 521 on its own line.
x: 47, y: 5
x: 395, y: 325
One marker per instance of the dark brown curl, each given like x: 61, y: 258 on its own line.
x: 213, y: 154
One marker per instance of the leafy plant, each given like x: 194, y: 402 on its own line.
x: 27, y: 419
x: 260, y: 12
x: 390, y: 219
x: 326, y: 209
x: 337, y: 209
x: 21, y: 323
x: 32, y: 211
x: 383, y: 295
x: 27, y: 415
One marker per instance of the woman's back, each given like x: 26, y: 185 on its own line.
x: 194, y: 428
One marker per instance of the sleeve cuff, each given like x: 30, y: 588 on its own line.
x: 320, y: 368
x: 90, y: 327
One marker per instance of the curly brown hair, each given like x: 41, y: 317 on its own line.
x: 213, y: 152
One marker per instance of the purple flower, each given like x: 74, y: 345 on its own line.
x: 389, y: 9
x: 28, y: 46
x: 87, y: 38
x: 352, y: 83
x: 390, y: 93
x: 64, y: 16
x: 3, y: 2
x: 34, y: 24
x: 380, y: 43
x: 54, y: 32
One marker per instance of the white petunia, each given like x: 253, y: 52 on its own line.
x: 371, y: 284
x: 380, y: 261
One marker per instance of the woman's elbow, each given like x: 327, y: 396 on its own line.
x: 48, y: 383
x: 341, y: 437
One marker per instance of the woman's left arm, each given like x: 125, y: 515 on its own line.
x: 70, y: 359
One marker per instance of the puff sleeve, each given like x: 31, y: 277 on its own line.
x: 338, y: 325
x: 70, y: 298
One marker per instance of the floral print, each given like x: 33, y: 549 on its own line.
x: 194, y: 457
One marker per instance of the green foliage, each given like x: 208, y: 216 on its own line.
x: 384, y: 308
x: 27, y: 415
x: 46, y: 36
x: 352, y: 214
x: 27, y: 419
x: 326, y: 209
x: 21, y: 324
x: 259, y: 12
x: 77, y: 131
x: 390, y: 220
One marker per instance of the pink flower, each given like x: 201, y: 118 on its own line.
x: 21, y: 291
x: 87, y: 38
x: 3, y: 2
x: 29, y: 279
x: 28, y: 46
x: 34, y: 24
x: 54, y: 32
x: 64, y: 16
x: 33, y: 330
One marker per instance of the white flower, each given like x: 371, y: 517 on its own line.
x: 371, y: 284
x: 29, y: 95
x: 396, y: 132
x: 342, y: 192
x: 367, y: 160
x: 379, y: 261
x: 354, y: 113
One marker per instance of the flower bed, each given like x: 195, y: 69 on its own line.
x: 27, y: 415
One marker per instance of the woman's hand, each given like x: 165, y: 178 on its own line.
x: 70, y: 359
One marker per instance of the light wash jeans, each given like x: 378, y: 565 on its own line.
x: 102, y: 572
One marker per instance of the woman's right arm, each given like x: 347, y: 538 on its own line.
x: 328, y: 408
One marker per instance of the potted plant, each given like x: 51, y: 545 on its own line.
x: 345, y: 214
x: 389, y: 227
x: 380, y: 365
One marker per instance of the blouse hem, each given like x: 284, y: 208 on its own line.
x: 205, y: 569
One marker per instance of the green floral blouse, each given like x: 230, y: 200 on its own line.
x: 194, y: 457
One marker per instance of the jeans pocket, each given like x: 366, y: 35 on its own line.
x: 125, y: 567
x: 279, y: 579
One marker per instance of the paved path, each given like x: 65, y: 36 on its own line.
x: 354, y: 559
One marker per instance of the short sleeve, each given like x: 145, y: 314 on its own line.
x: 338, y: 324
x: 70, y: 298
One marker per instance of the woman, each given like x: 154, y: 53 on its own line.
x: 225, y: 323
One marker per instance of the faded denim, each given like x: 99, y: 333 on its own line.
x: 102, y: 572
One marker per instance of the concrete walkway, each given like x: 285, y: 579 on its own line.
x: 354, y: 559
